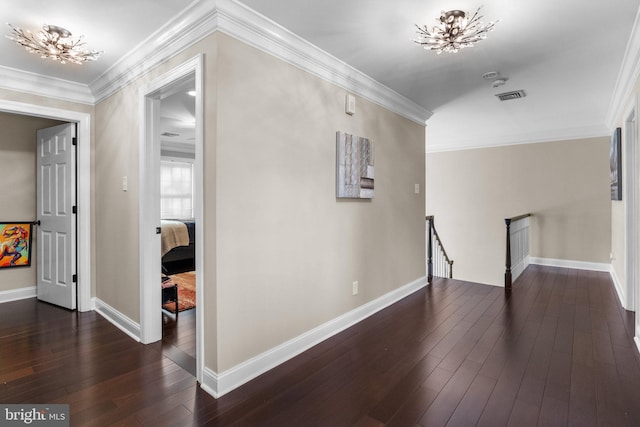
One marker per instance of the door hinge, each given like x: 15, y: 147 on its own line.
x: 74, y: 279
x: 74, y: 141
x: 74, y: 210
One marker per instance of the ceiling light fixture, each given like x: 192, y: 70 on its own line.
x: 454, y: 31
x: 54, y: 43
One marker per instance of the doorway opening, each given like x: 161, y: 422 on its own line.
x: 171, y: 199
x: 83, y: 174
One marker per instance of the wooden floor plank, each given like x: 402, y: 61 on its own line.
x: 557, y: 350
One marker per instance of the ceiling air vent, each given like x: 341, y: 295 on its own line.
x: 511, y: 95
x: 171, y: 134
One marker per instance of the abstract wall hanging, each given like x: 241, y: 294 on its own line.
x: 15, y: 244
x: 615, y: 162
x: 354, y: 167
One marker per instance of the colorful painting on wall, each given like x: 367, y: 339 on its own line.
x: 354, y: 167
x: 15, y: 244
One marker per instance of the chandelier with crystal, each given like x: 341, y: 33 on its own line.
x: 455, y: 31
x: 55, y: 43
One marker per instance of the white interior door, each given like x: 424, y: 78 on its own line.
x: 56, y: 233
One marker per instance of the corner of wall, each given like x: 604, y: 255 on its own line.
x: 618, y: 286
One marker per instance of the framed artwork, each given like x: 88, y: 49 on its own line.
x: 615, y: 162
x: 354, y: 167
x: 15, y: 244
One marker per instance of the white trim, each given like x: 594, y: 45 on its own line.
x: 194, y: 23
x: 537, y: 137
x: 627, y: 77
x: 84, y: 186
x: 119, y: 320
x: 617, y: 284
x: 210, y: 382
x: 249, y: 26
x: 578, y: 265
x: 51, y: 87
x: 630, y: 199
x: 220, y: 384
x: 636, y: 339
x: 204, y: 17
x: 149, y: 213
x: 17, y: 294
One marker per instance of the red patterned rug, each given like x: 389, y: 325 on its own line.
x: 186, y: 292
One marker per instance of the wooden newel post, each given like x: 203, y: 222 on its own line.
x: 507, y: 273
x: 430, y: 251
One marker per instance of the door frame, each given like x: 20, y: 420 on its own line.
x: 83, y: 178
x: 630, y: 194
x: 150, y: 266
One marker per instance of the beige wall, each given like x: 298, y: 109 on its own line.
x: 281, y: 251
x: 288, y: 251
x: 18, y: 171
x: 565, y: 184
x: 618, y: 208
x: 117, y: 212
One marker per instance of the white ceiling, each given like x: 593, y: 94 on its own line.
x: 566, y: 55
x: 177, y: 119
x: 116, y: 27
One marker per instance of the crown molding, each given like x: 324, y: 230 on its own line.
x: 204, y: 17
x: 190, y: 26
x: 200, y: 19
x: 38, y: 84
x: 254, y: 29
x: 550, y: 135
x: 627, y: 77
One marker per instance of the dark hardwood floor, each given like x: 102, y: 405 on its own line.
x: 179, y: 338
x: 558, y: 351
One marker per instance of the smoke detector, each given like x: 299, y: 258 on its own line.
x: 498, y: 82
x: 490, y: 75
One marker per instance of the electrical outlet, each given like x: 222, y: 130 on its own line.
x: 355, y: 287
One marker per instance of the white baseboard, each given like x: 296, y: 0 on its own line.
x: 220, y: 384
x: 210, y: 381
x: 578, y: 265
x: 18, y: 294
x: 617, y: 284
x: 118, y: 319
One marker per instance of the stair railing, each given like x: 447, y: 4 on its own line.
x: 517, y: 254
x: 438, y: 262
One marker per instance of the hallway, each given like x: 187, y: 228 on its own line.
x: 559, y: 351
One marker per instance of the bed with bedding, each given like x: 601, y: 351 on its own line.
x: 178, y: 241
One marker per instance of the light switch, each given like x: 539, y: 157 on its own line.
x: 416, y: 188
x: 124, y: 183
